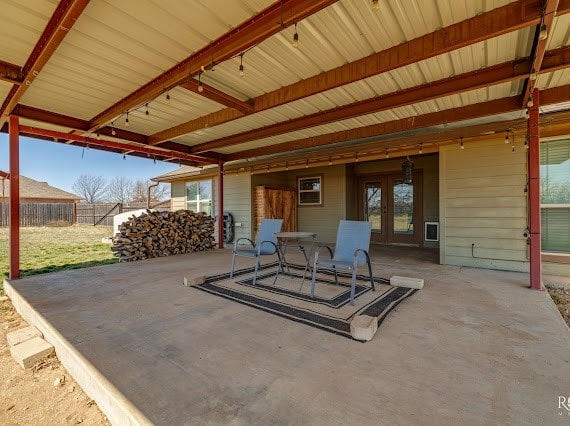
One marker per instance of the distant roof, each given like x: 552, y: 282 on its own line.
x: 30, y: 188
x: 185, y: 172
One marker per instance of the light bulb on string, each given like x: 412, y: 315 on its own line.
x: 146, y: 111
x: 127, y: 120
x: 530, y: 102
x: 200, y: 87
x: 296, y: 37
x: 386, y: 153
x: 461, y: 145
x: 113, y: 132
x: 421, y: 151
x: 543, y: 34
x: 507, y: 138
x: 241, y: 73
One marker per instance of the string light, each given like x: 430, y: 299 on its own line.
x: 543, y: 34
x: 526, y: 142
x: 421, y: 148
x: 462, y: 146
x: 386, y: 153
x: 124, y: 156
x: 526, y: 114
x: 296, y: 37
x: 127, y: 120
x: 241, y: 73
x: 286, y: 166
x: 507, y: 138
x: 146, y: 111
x: 113, y: 132
x: 330, y: 161
x: 375, y: 4
x: 356, y: 157
x: 200, y: 87
x: 530, y: 102
x: 98, y: 135
x: 306, y: 164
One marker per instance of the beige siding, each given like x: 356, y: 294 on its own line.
x: 237, y: 201
x: 483, y: 202
x: 178, y: 195
x: 323, y: 219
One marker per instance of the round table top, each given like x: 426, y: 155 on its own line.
x: 295, y: 234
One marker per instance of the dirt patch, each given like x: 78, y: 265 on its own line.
x: 43, y: 395
x: 562, y: 299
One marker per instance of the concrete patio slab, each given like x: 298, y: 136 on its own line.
x: 472, y: 347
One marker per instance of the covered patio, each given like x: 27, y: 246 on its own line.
x: 333, y: 94
x: 473, y: 347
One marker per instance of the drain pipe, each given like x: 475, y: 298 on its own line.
x: 152, y: 185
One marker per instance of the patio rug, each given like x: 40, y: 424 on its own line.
x: 330, y: 310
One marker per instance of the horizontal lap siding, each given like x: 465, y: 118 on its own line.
x: 483, y: 202
x: 237, y: 201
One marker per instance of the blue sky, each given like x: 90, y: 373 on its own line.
x: 60, y: 165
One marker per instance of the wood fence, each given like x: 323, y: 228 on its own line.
x: 40, y: 214
x: 65, y: 214
x: 102, y: 213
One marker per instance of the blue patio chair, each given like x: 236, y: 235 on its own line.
x: 265, y: 245
x: 351, y: 251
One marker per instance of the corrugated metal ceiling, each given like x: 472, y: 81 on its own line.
x: 116, y: 47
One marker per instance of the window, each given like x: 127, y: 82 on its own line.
x: 310, y: 191
x: 555, y: 195
x: 199, y: 196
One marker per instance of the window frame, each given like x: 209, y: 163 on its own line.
x: 198, y: 201
x: 320, y: 191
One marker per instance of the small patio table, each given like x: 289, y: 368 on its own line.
x: 298, y: 240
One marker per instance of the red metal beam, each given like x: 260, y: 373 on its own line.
x: 48, y: 117
x: 483, y: 109
x: 512, y: 17
x: 502, y: 73
x: 534, y: 193
x: 14, y: 199
x: 123, y: 147
x: 539, y: 46
x: 11, y: 73
x: 64, y: 17
x: 221, y: 205
x: 268, y: 22
x: 218, y: 96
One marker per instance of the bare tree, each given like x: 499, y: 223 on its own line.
x: 90, y: 187
x: 120, y: 189
x: 140, y: 191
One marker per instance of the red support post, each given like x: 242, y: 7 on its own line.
x: 14, y: 198
x: 534, y: 193
x: 221, y: 204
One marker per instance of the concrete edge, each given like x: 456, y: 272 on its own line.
x: 117, y: 408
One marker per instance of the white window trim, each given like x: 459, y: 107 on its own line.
x: 199, y: 201
x: 301, y: 191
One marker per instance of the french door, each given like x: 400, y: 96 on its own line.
x: 393, y: 207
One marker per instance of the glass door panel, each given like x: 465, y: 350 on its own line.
x: 403, y: 207
x: 373, y: 205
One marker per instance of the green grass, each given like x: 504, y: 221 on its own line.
x: 48, y: 249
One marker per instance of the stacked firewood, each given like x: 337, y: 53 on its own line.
x: 157, y: 234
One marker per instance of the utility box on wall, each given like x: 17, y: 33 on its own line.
x: 272, y: 202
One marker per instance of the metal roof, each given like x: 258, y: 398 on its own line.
x: 114, y: 51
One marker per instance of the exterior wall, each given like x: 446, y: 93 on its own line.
x: 237, y: 201
x: 178, y: 195
x: 483, y: 202
x: 323, y: 219
x: 430, y: 191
